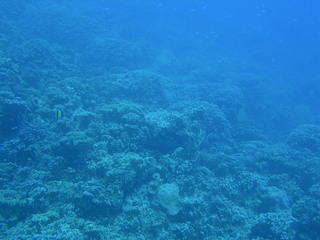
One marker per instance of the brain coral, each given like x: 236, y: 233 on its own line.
x: 168, y: 197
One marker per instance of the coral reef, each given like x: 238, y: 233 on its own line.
x: 111, y: 131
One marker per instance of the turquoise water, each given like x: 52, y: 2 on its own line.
x: 159, y: 120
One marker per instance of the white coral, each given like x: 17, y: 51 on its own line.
x: 168, y: 196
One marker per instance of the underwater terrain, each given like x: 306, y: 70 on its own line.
x: 145, y: 119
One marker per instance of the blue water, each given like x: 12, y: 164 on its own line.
x: 159, y: 120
